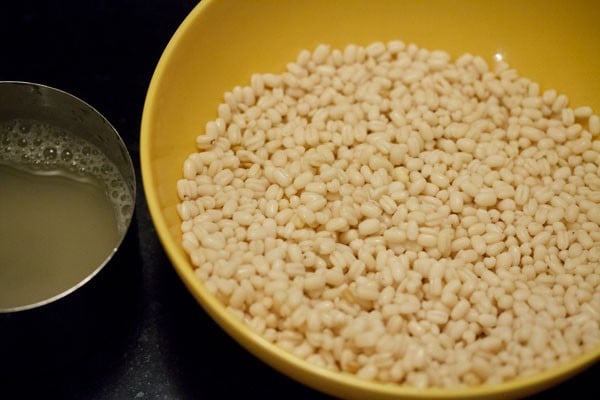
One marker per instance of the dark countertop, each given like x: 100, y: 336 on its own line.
x: 166, y: 346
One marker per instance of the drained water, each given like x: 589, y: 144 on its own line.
x: 63, y: 209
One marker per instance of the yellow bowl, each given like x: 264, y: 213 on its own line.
x: 221, y: 43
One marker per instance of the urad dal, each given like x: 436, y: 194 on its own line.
x: 391, y: 213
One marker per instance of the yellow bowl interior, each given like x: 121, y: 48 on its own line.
x: 221, y: 43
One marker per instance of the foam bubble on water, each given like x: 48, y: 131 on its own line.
x: 66, y: 155
x: 50, y: 152
x: 48, y: 149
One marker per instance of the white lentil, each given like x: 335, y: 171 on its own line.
x: 386, y: 212
x: 583, y: 112
x: 427, y: 240
x: 594, y: 124
x: 369, y: 226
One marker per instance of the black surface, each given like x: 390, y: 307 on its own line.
x: 162, y: 345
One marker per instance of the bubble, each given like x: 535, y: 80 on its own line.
x: 9, y: 126
x: 22, y: 142
x: 85, y: 150
x: 66, y: 155
x: 126, y: 209
x: 115, y: 194
x: 38, y: 141
x: 50, y: 153
x: 25, y: 127
x: 25, y: 157
x: 114, y: 183
x: 6, y: 139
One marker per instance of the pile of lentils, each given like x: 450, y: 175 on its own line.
x: 391, y: 213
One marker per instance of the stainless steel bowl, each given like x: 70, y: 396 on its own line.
x: 55, y: 331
